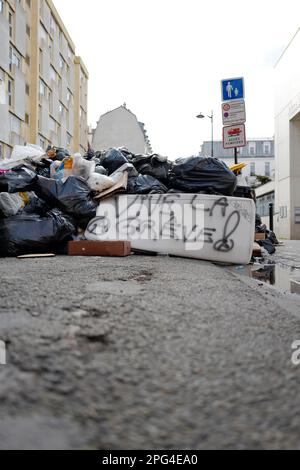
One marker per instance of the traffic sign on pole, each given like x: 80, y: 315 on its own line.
x: 233, y: 89
x: 234, y: 112
x: 234, y: 136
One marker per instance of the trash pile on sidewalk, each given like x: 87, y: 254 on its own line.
x: 265, y: 238
x: 48, y: 198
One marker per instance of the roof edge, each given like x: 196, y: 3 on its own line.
x: 287, y: 47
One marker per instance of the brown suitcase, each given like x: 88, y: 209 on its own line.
x: 99, y: 248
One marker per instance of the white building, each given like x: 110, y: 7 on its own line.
x: 258, y: 155
x: 121, y: 128
x: 287, y: 138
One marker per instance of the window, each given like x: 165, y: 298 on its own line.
x: 52, y: 74
x: 2, y: 88
x: 51, y: 48
x: 69, y: 139
x: 41, y: 61
x: 15, y: 124
x: 53, y: 26
x: 61, y: 62
x: 268, y: 169
x: 14, y: 58
x: 252, y: 169
x: 263, y: 204
x: 10, y: 92
x: 1, y: 6
x: 10, y: 22
x: 42, y: 88
x: 69, y: 96
x: 43, y: 33
x: 52, y: 125
x: 28, y: 31
x: 252, y: 148
x: 267, y: 148
x: 27, y: 89
x: 283, y: 212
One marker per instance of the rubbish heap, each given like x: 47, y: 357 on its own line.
x: 48, y: 198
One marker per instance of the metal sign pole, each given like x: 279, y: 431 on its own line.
x: 236, y: 156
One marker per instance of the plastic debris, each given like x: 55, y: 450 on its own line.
x: 10, y: 204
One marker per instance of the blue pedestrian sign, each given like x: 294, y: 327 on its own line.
x: 233, y: 89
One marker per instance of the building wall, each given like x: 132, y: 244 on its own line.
x: 38, y: 86
x: 120, y: 128
x: 287, y: 135
x: 258, y: 155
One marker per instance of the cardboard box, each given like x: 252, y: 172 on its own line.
x: 256, y: 251
x: 260, y: 236
x: 99, y: 248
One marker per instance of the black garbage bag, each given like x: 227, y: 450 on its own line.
x: 36, y: 205
x: 28, y: 234
x: 42, y: 168
x: 113, y: 160
x: 74, y: 197
x: 144, y: 184
x: 244, y: 192
x: 152, y: 165
x: 267, y: 245
x: 258, y: 221
x: 199, y: 174
x: 18, y: 180
x: 90, y: 154
x: 272, y: 237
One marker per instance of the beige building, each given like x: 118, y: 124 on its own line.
x: 43, y: 84
x: 121, y: 128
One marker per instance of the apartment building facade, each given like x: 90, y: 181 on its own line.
x: 259, y: 155
x: 43, y: 84
x: 121, y: 128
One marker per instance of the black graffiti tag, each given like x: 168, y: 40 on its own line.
x: 223, y: 203
x: 226, y: 245
x: 99, y: 226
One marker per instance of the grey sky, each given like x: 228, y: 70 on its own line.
x: 165, y: 59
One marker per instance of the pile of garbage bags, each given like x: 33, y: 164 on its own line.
x: 270, y: 242
x: 47, y: 197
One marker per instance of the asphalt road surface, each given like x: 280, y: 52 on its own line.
x: 145, y: 353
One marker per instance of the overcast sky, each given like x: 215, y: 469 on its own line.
x: 165, y: 59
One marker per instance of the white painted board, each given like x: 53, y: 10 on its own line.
x: 213, y: 228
